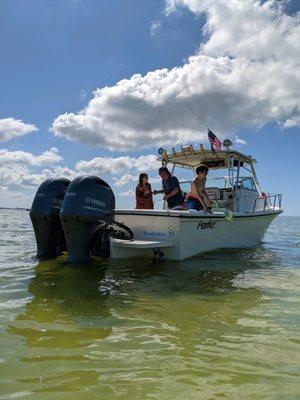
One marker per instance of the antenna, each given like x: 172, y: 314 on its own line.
x: 195, y: 115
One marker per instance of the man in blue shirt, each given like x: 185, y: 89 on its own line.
x: 173, y: 195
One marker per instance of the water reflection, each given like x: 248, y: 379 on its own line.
x: 131, y: 325
x: 65, y: 310
x: 73, y: 306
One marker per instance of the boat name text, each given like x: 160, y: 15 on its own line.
x: 206, y: 225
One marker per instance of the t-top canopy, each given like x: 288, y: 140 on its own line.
x: 191, y: 158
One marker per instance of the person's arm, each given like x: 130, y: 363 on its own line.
x: 148, y: 191
x: 138, y: 192
x: 158, y: 191
x: 194, y: 189
x: 206, y: 197
x: 174, y: 191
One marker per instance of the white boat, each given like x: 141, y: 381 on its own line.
x: 80, y: 216
x: 180, y: 234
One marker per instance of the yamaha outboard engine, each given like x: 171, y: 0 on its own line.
x: 86, y: 215
x: 45, y: 219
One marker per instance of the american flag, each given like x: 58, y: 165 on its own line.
x: 215, y: 143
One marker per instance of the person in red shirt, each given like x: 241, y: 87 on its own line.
x: 143, y: 193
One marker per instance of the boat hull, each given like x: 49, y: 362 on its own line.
x: 181, y: 234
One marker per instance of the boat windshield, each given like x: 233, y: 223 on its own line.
x: 246, y: 183
x: 185, y: 186
x: 220, y: 182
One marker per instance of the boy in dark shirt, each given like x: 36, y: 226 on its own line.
x: 173, y: 195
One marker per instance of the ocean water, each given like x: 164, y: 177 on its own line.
x: 225, y: 325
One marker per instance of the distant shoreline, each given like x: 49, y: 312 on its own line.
x: 15, y: 208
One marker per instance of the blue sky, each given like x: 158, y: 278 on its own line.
x: 55, y: 54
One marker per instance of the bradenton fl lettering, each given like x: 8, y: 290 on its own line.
x: 206, y: 225
x: 169, y: 235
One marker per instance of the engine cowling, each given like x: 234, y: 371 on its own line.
x: 45, y: 219
x: 88, y: 205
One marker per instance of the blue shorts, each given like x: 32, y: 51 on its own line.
x: 194, y: 204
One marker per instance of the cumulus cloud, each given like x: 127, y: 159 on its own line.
x: 16, y: 168
x: 291, y: 122
x: 124, y: 170
x: 19, y: 177
x: 22, y: 177
x: 127, y: 178
x: 117, y: 166
x: 11, y: 128
x: 246, y: 73
x: 23, y: 171
x: 49, y: 157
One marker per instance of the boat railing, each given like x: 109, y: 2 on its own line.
x: 270, y: 202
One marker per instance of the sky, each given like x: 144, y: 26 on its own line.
x: 96, y: 86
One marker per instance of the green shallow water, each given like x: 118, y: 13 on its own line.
x: 222, y: 326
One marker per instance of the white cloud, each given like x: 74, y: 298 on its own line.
x: 128, y: 193
x: 22, y: 171
x: 121, y: 171
x: 117, y: 166
x: 22, y: 178
x: 292, y: 122
x: 247, y: 73
x: 16, y: 169
x: 11, y: 128
x: 239, y: 140
x: 124, y: 170
x: 154, y: 27
x: 253, y: 29
x: 104, y: 165
x: 146, y: 163
x: 60, y: 172
x: 127, y: 178
x: 49, y: 157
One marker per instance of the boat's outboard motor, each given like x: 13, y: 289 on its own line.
x: 45, y: 219
x: 87, y: 211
